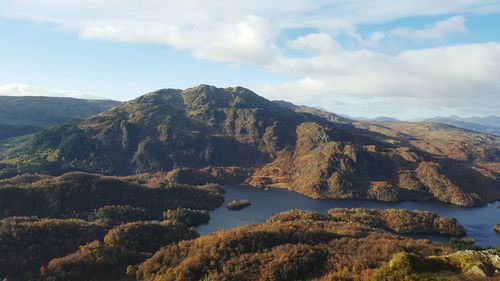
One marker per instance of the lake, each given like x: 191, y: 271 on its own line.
x: 478, y: 221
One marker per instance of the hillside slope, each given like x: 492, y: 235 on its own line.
x: 26, y: 115
x: 306, y: 150
x: 293, y: 245
x: 166, y: 129
x: 345, y: 244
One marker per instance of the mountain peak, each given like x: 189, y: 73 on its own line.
x: 203, y: 87
x: 161, y: 93
x: 204, y: 95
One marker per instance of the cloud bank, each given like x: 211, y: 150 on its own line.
x: 460, y: 78
x: 18, y: 90
x: 439, y: 30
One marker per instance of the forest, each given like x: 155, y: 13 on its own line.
x: 124, y: 243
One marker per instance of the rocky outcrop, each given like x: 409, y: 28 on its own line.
x: 461, y: 265
x: 323, y: 166
x: 443, y: 188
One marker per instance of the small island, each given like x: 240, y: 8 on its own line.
x: 238, y: 204
x: 497, y: 227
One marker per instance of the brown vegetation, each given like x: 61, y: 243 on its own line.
x: 187, y: 217
x: 124, y: 245
x: 460, y: 266
x: 291, y: 246
x: 118, y: 214
x: 28, y: 243
x: 322, y: 166
x: 400, y: 220
x: 79, y: 194
x: 346, y: 244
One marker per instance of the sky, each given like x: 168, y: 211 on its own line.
x: 363, y: 58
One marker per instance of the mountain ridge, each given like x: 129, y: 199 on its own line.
x: 305, y: 149
x: 489, y: 124
x: 21, y: 115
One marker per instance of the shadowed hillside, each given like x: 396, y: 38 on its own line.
x: 78, y: 194
x: 26, y: 115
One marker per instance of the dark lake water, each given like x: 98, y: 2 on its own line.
x: 478, y: 221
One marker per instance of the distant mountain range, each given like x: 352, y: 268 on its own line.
x: 375, y: 119
x: 26, y: 115
x: 489, y: 124
x: 308, y: 150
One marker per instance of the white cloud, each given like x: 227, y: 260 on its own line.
x: 465, y: 77
x: 14, y: 89
x: 439, y: 30
x: 247, y: 40
x: 225, y: 30
x: 338, y: 26
x: 220, y: 31
x: 321, y: 42
x: 461, y: 77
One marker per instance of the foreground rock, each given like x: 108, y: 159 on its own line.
x: 461, y: 265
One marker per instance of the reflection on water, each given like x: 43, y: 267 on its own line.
x: 479, y: 221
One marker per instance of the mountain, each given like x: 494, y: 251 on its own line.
x: 489, y: 124
x: 27, y: 115
x: 166, y: 129
x: 314, y: 111
x: 380, y: 119
x: 307, y: 150
x: 383, y: 119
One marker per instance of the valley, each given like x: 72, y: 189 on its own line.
x: 215, y: 183
x: 266, y: 203
x: 230, y: 140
